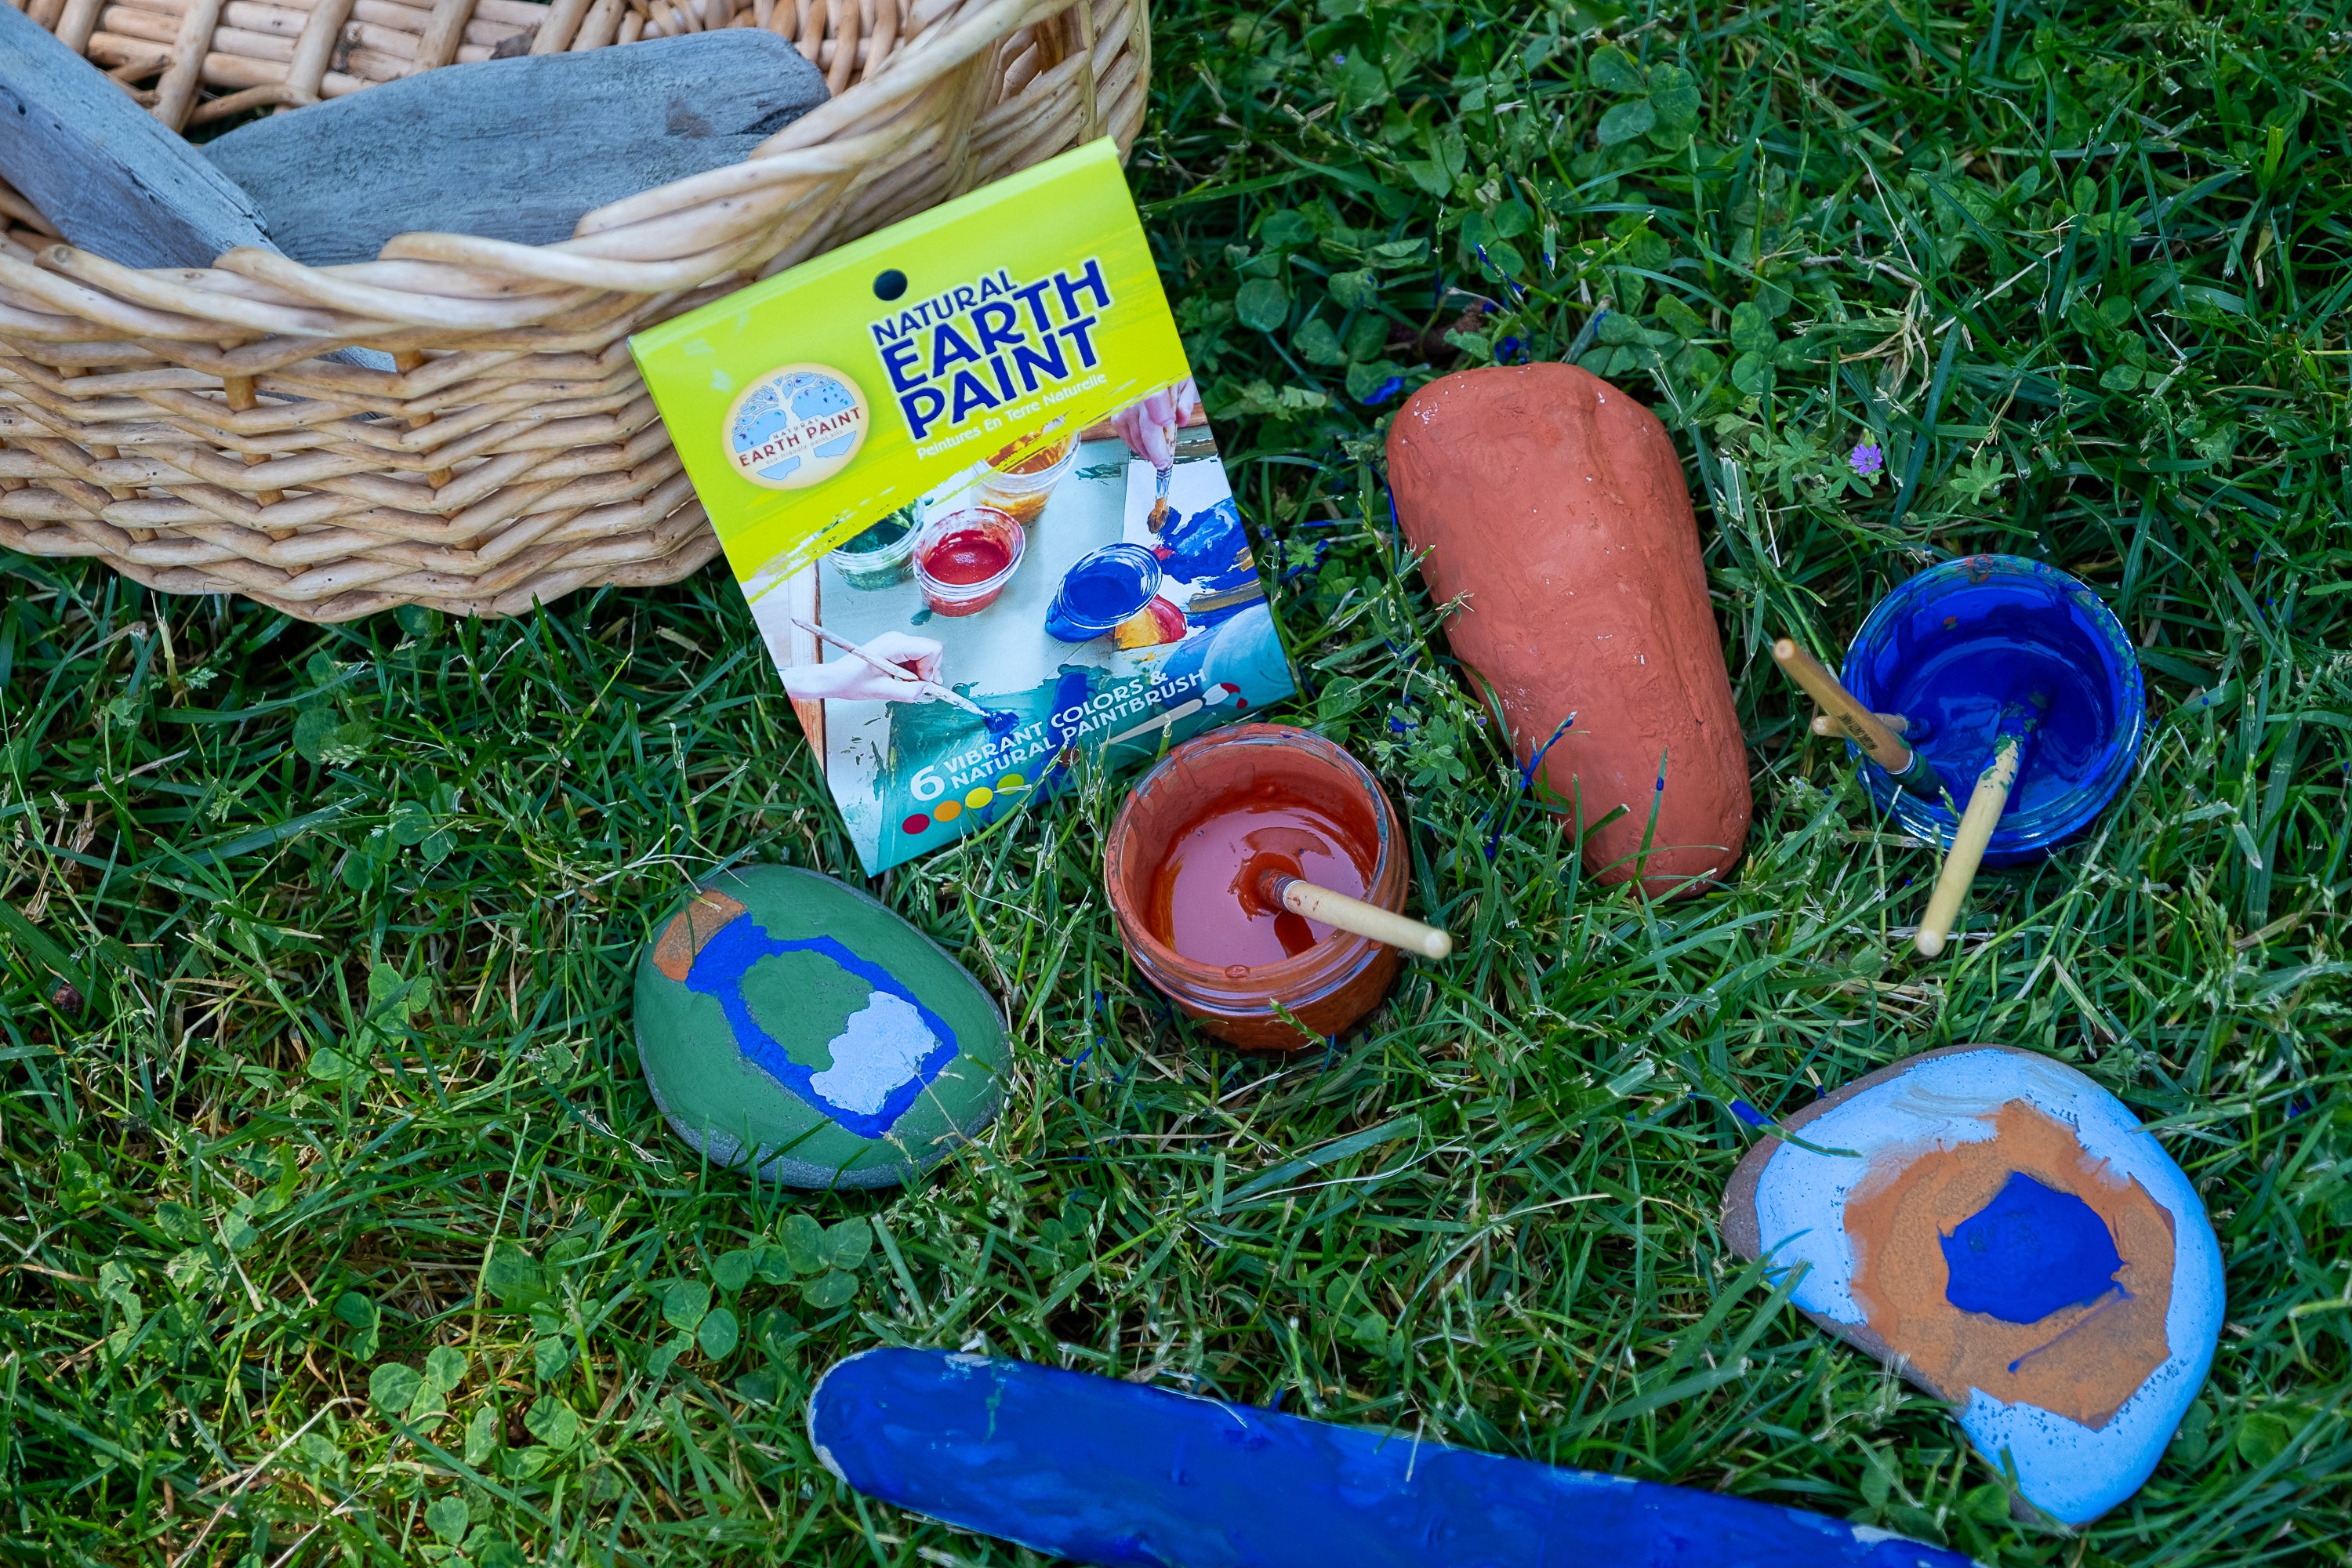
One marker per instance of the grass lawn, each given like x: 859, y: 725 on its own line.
x: 349, y: 1083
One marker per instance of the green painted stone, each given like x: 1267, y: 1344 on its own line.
x: 791, y: 1026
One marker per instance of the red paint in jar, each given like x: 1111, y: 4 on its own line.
x: 1205, y: 901
x: 1205, y: 799
x: 963, y: 560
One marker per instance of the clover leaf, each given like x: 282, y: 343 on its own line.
x: 733, y: 1271
x: 717, y: 1333
x: 684, y: 1303
x: 449, y: 1519
x: 393, y: 1386
x: 1751, y: 333
x: 1263, y: 304
x: 1627, y: 120
x: 846, y: 1244
x: 1675, y: 95
x: 802, y: 1243
x: 830, y: 1291
x: 1662, y: 101
x: 1613, y: 70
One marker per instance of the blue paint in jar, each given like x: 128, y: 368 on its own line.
x: 1105, y: 587
x: 1104, y: 1471
x: 1965, y: 639
x: 2030, y: 1252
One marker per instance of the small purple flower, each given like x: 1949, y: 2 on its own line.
x: 1867, y: 459
x: 1386, y: 390
x: 1509, y: 347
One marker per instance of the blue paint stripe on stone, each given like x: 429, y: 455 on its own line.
x: 1126, y: 1475
x: 719, y: 971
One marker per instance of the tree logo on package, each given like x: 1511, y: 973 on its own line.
x: 796, y: 426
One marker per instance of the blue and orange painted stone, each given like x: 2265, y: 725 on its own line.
x: 2002, y: 1231
x: 793, y: 1027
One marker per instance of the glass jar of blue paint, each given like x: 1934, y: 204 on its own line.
x: 1955, y: 643
x: 1104, y: 587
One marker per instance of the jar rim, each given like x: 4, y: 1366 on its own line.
x: 2023, y: 833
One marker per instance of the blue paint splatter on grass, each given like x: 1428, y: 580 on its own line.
x: 2031, y: 1252
x: 1109, y: 1472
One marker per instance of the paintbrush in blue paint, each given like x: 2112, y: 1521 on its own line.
x: 2012, y: 736
x: 1160, y: 479
x: 1001, y: 721
x: 1912, y: 732
x: 1122, y: 1475
x: 1865, y: 729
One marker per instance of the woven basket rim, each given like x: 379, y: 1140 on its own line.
x: 670, y: 237
x: 194, y: 427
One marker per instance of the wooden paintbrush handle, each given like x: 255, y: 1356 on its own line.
x: 1844, y: 709
x: 1986, y: 803
x: 1830, y: 729
x: 896, y: 672
x: 1906, y: 767
x: 1358, y: 917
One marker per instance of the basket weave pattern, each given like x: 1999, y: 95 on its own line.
x: 185, y: 426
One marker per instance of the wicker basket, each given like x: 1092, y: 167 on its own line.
x: 185, y: 427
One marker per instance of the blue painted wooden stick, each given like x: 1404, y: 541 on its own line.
x: 1126, y: 1475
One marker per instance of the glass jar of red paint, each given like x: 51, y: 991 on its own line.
x: 1289, y: 775
x: 964, y: 558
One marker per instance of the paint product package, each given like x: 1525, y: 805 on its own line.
x: 1000, y: 379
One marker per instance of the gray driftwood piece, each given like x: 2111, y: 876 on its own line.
x: 111, y: 177
x: 514, y: 149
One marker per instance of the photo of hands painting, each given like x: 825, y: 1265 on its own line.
x: 434, y: 316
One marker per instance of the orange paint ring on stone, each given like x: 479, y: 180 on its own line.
x: 1915, y: 1198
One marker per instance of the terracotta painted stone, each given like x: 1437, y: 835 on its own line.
x: 2002, y: 1231
x: 791, y: 1026
x: 1553, y: 505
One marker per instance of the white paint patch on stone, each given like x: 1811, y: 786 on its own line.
x: 882, y: 1048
